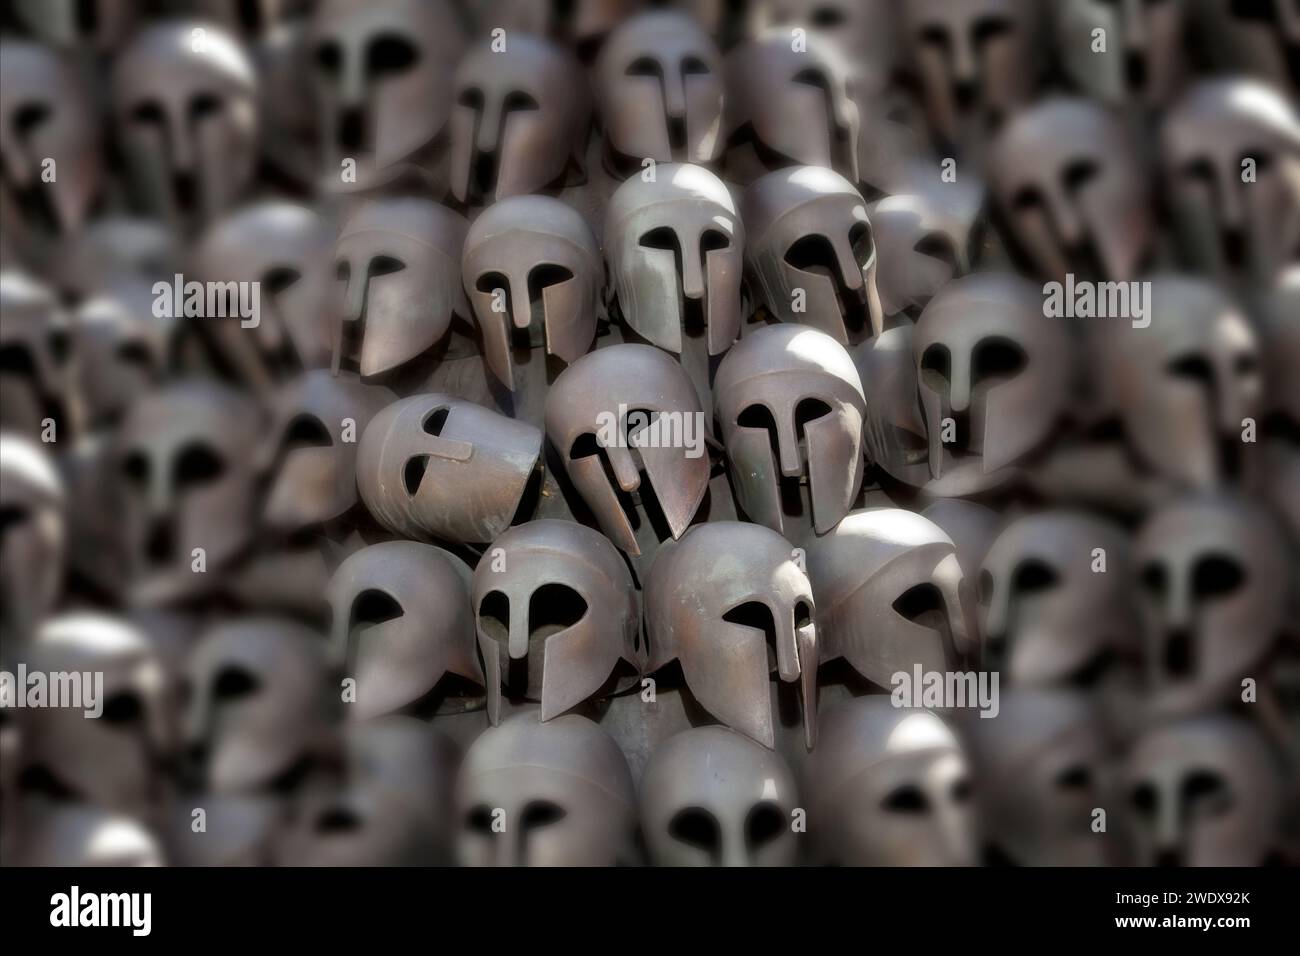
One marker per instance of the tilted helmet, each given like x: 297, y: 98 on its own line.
x: 555, y: 599
x: 888, y: 786
x: 976, y: 60
x: 793, y: 105
x: 402, y: 622
x: 35, y: 348
x: 382, y: 74
x: 1214, y: 576
x: 605, y: 463
x: 994, y: 373
x: 895, y: 433
x: 412, y: 248
x: 790, y: 404
x: 713, y: 797
x: 1229, y: 221
x: 258, y: 703
x: 658, y: 84
x: 432, y: 465
x: 1142, y: 60
x: 674, y: 248
x: 187, y: 481
x: 1052, y: 613
x: 284, y: 248
x: 541, y: 255
x: 811, y: 252
x: 47, y: 124
x: 311, y: 450
x: 891, y: 595
x: 520, y: 117
x: 184, y: 102
x: 116, y: 758
x: 1183, y: 386
x: 33, y: 535
x: 731, y: 604
x: 1205, y: 791
x: 1072, y: 189
x: 920, y: 245
x: 561, y: 788
x: 1044, y: 767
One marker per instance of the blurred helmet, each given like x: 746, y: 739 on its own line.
x: 1142, y: 60
x: 35, y: 346
x: 895, y: 432
x: 436, y: 466
x: 33, y: 535
x: 790, y: 404
x: 412, y: 248
x: 557, y: 793
x: 99, y: 25
x: 542, y: 256
x: 811, y: 251
x: 713, y: 797
x: 122, y: 350
x: 891, y: 595
x: 579, y: 407
x: 1072, y: 189
x: 402, y: 622
x: 1214, y: 577
x: 520, y: 117
x: 1203, y: 792
x: 674, y: 248
x: 1260, y: 38
x: 920, y: 245
x: 555, y: 599
x: 888, y: 786
x: 184, y: 102
x: 658, y: 84
x: 731, y: 604
x: 70, y: 834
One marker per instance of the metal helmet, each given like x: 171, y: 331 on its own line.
x: 72, y: 834
x: 1258, y: 38
x: 184, y: 103
x: 1044, y: 767
x: 239, y: 830
x: 811, y: 251
x: 412, y: 248
x: 1214, y: 576
x: 732, y: 605
x: 792, y: 105
x: 1054, y: 610
x: 98, y: 24
x: 311, y: 450
x: 187, y: 481
x: 557, y: 793
x: 284, y: 248
x: 33, y: 535
x: 920, y: 245
x: 402, y: 622
x: 116, y: 249
x: 891, y: 595
x: 1231, y: 216
x: 1205, y: 791
x: 1183, y: 386
x: 790, y: 404
x: 35, y: 348
x: 994, y: 374
x: 1142, y: 60
x: 520, y: 117
x: 895, y: 433
x: 972, y: 527
x: 586, y: 421
x: 433, y: 465
x: 116, y: 758
x: 674, y: 249
x: 122, y: 349
x: 658, y: 89
x: 580, y: 24
x: 554, y: 599
x: 712, y: 797
x: 888, y: 786
x: 1072, y: 189
x: 391, y: 806
x: 1280, y: 335
x: 976, y: 60
x: 258, y: 703
x: 539, y: 254
x: 48, y: 124
x: 865, y: 31
x: 382, y: 73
